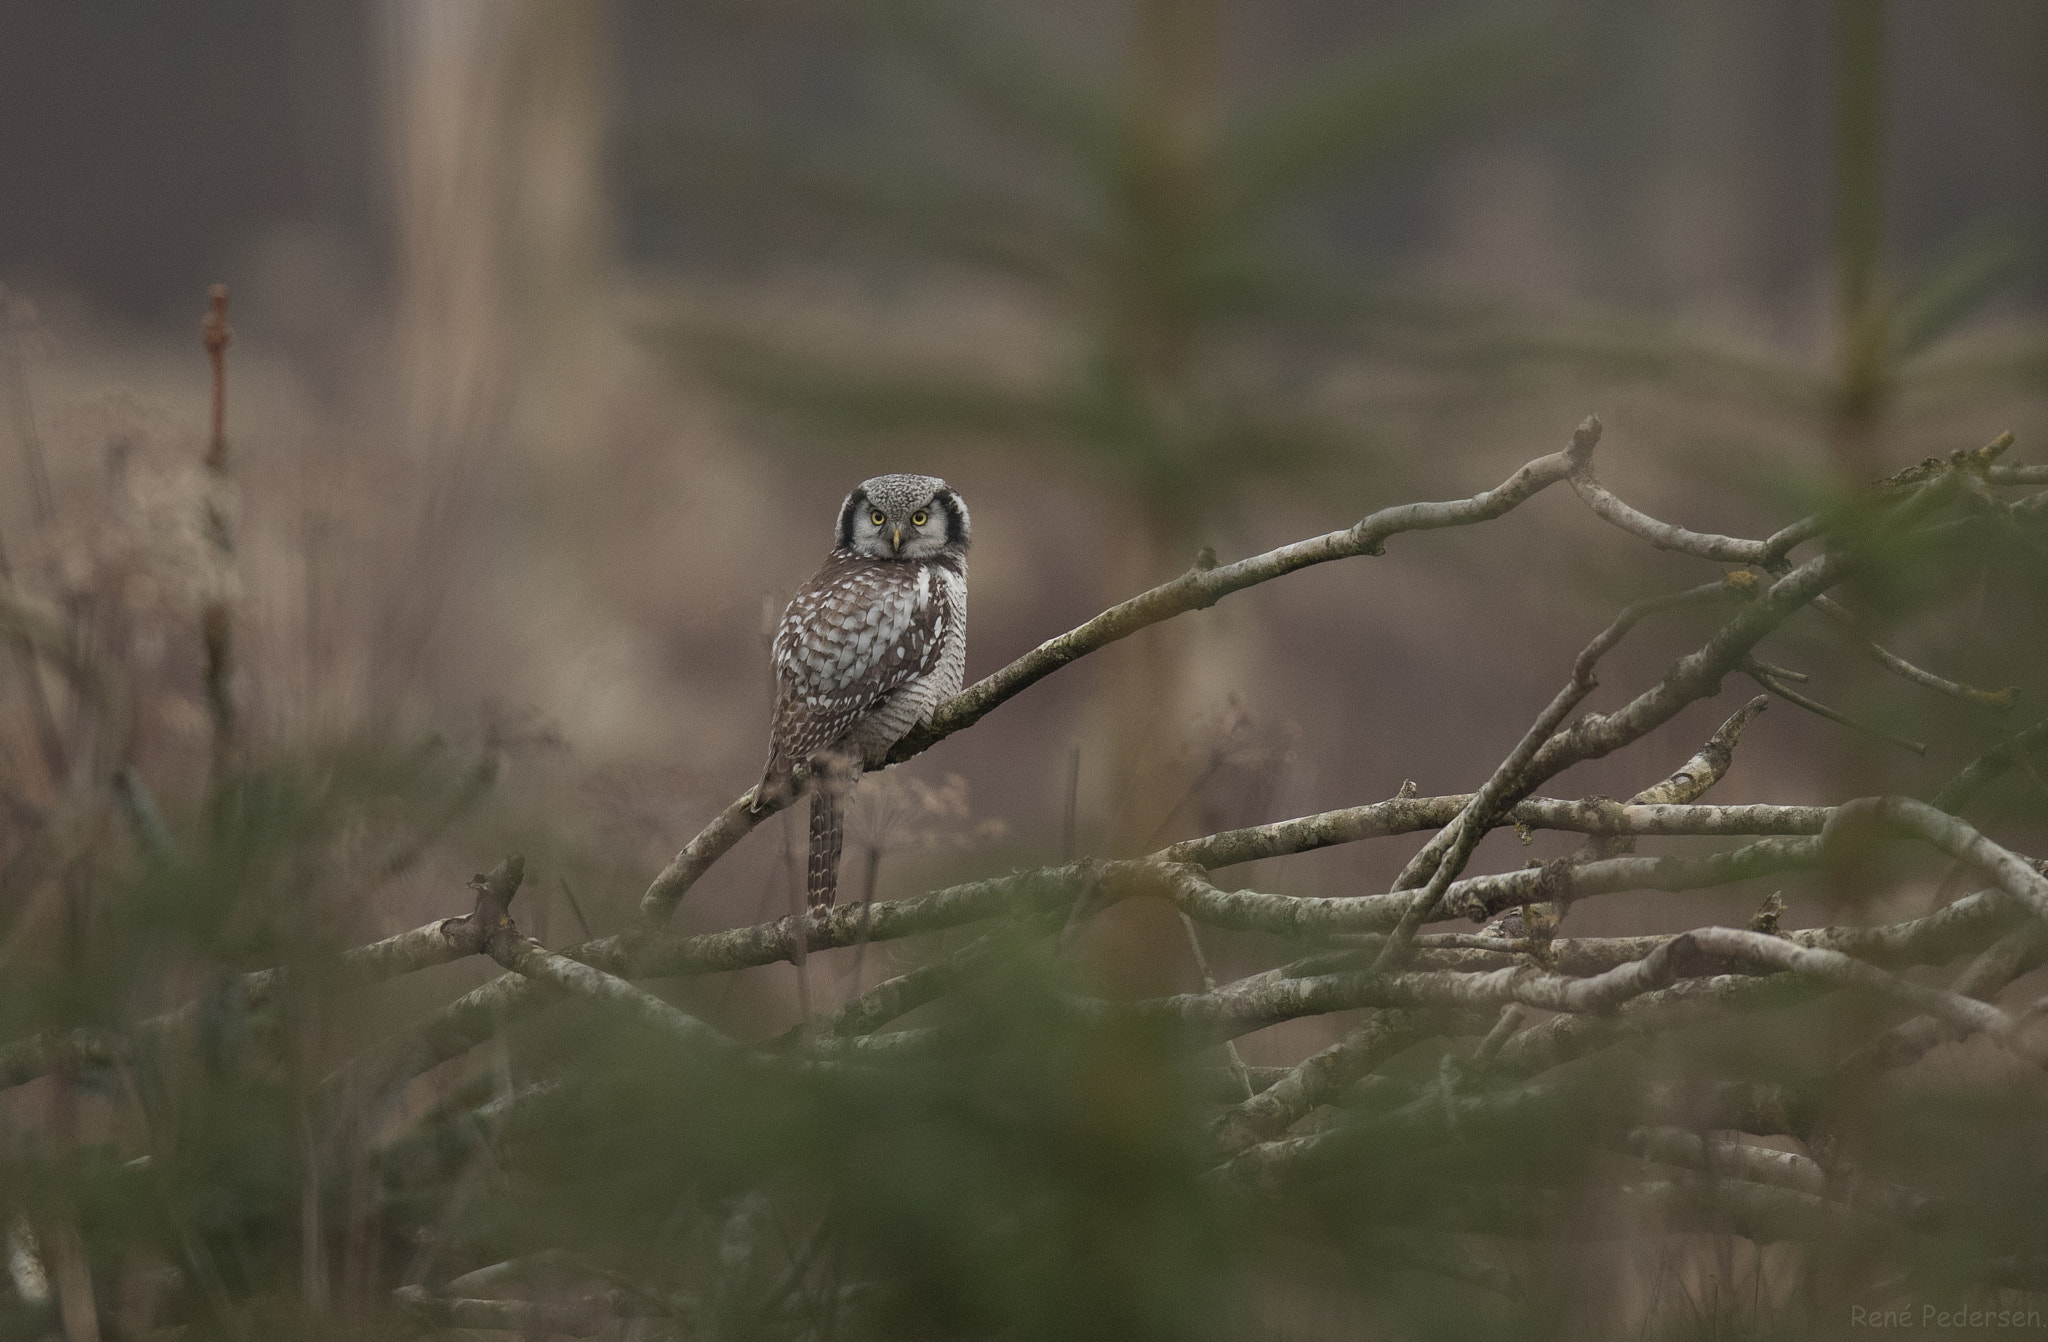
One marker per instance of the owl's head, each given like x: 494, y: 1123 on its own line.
x: 903, y: 517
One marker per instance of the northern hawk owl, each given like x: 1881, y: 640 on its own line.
x: 868, y: 647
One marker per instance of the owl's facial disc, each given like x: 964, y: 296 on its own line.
x: 902, y: 517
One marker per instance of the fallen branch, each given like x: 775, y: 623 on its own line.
x: 1209, y: 1018
x: 529, y: 959
x: 1319, y: 1078
x: 1752, y: 1107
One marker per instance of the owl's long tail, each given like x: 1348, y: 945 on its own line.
x: 828, y: 831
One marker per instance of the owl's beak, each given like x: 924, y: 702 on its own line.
x: 896, y: 537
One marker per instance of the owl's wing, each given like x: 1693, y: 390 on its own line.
x: 857, y: 630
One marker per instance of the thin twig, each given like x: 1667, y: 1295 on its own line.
x: 1319, y: 1078
x: 1757, y: 672
x: 1194, y: 939
x: 1998, y: 701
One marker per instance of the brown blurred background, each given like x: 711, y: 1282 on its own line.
x: 562, y: 327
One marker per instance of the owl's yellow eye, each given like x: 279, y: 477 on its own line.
x: 918, y: 518
x: 877, y: 518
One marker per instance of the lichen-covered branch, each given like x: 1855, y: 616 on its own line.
x: 1744, y: 1106
x: 1407, y: 815
x: 1726, y: 1158
x: 1517, y: 774
x: 2021, y: 949
x: 1207, y: 1018
x: 640, y: 953
x: 1663, y: 535
x: 529, y: 959
x: 1510, y: 781
x: 714, y: 841
x: 1967, y: 924
x: 1319, y: 1078
x: 2006, y: 869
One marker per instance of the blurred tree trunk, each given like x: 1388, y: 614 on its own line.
x: 1152, y: 330
x: 1863, y: 370
x: 1863, y: 326
x: 498, y: 121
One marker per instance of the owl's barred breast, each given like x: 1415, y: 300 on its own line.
x: 905, y: 707
x: 865, y: 651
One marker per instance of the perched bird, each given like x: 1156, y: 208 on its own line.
x: 868, y: 647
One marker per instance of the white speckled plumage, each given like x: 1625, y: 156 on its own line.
x: 869, y: 646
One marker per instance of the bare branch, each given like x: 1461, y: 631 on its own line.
x: 53, y: 1051
x: 2013, y: 954
x: 906, y: 992
x: 1725, y: 1158
x: 473, y: 1017
x: 1211, y: 1017
x: 1509, y: 783
x: 714, y: 841
x: 1743, y: 1106
x: 528, y: 958
x: 2007, y: 870
x: 1427, y: 865
x: 1697, y: 674
x: 1693, y: 778
x: 1687, y: 954
x: 1963, y: 926
x: 1663, y: 535
x: 1769, y: 679
x: 1478, y: 897
x: 1405, y: 815
x: 1741, y: 1160
x: 1319, y: 1078
x: 1688, y: 783
x: 1230, y: 1053
x: 1691, y: 1002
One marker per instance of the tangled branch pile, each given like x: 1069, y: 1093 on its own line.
x: 1033, y: 1161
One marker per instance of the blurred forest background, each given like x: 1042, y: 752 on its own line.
x: 561, y: 327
